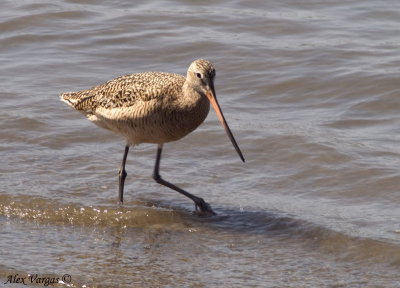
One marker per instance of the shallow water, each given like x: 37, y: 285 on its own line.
x: 310, y: 92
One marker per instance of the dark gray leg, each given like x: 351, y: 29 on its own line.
x: 122, y: 175
x: 199, y: 202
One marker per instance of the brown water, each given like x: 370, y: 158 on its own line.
x: 310, y: 90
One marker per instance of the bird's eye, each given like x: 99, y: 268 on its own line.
x: 198, y: 75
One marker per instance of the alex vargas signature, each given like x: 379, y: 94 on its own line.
x: 36, y: 279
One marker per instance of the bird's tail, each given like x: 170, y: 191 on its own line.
x: 78, y: 101
x: 69, y: 98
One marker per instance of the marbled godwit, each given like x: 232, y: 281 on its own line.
x: 153, y: 107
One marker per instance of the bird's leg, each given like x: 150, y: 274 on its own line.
x: 199, y: 202
x: 122, y: 175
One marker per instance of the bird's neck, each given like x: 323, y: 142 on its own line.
x: 192, y: 97
x: 194, y: 102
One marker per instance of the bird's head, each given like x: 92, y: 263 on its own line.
x: 200, y: 75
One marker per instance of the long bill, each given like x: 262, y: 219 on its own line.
x: 213, y: 100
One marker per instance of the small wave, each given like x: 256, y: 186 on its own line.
x: 45, y: 212
x: 228, y: 222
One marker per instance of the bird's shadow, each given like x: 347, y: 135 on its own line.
x: 235, y: 219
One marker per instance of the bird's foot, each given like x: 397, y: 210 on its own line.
x: 203, y: 208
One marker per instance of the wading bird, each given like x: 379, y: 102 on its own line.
x: 153, y: 107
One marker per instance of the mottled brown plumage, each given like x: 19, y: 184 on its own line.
x: 152, y: 107
x: 146, y: 107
